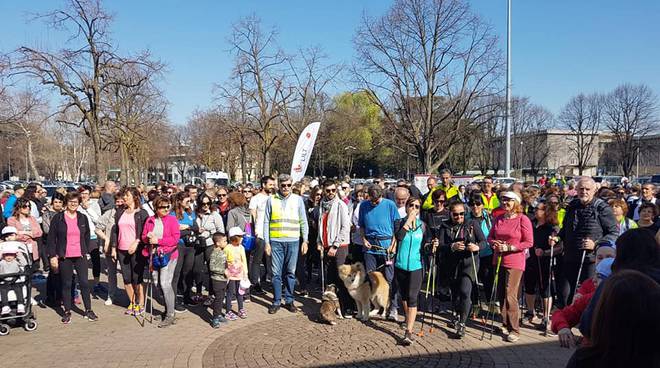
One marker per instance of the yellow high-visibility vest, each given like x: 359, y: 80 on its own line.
x: 284, y: 221
x: 492, y: 204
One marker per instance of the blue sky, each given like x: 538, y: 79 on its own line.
x: 560, y: 48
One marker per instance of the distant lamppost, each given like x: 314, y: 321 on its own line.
x: 9, y: 161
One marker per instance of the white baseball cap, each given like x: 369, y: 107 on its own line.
x: 512, y: 195
x: 9, y: 248
x: 235, y: 231
x: 9, y: 230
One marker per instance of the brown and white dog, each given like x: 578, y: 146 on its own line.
x: 330, y: 308
x: 365, y: 289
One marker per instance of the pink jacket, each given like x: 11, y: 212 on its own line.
x: 518, y: 232
x: 27, y: 239
x: 170, y: 237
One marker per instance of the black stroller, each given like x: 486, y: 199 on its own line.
x: 9, y: 283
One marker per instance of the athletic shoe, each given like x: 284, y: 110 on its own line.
x: 180, y: 308
x: 129, y: 311
x: 242, y: 314
x: 20, y: 309
x: 273, y: 309
x: 91, y: 316
x: 66, y: 318
x: 512, y: 337
x: 215, y: 323
x: 209, y: 301
x: 290, y: 307
x: 167, y: 322
x: 460, y: 330
x: 231, y: 316
x: 138, y: 310
x: 108, y: 301
x: 77, y: 300
x: 408, y: 339
x: 191, y: 303
x: 393, y: 316
x: 5, y: 310
x: 33, y: 301
x: 257, y: 290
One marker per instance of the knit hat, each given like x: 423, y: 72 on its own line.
x: 604, y: 268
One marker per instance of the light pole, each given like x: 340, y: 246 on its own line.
x: 9, y: 162
x: 508, y: 88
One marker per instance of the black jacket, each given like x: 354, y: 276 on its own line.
x: 594, y: 220
x: 140, y: 216
x: 57, y: 235
x: 469, y: 232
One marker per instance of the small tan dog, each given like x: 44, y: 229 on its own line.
x: 330, y: 308
x: 365, y: 291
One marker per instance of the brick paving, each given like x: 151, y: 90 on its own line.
x: 281, y: 340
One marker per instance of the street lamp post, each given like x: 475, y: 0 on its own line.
x: 9, y: 161
x: 508, y: 88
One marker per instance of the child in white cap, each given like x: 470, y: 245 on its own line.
x: 10, y: 264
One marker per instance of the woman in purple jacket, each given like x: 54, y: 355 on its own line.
x: 161, y: 234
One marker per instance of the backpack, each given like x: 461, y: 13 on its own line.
x: 249, y: 240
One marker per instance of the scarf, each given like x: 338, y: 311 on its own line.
x: 331, y: 208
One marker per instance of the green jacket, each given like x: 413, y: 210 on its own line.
x: 218, y: 264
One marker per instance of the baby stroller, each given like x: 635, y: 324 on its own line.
x: 11, y: 281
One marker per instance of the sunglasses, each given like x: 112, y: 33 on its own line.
x: 206, y: 204
x: 476, y: 204
x: 25, y: 206
x: 508, y: 200
x: 415, y: 206
x: 331, y: 190
x: 441, y: 201
x: 222, y: 195
x: 458, y: 214
x: 344, y: 188
x: 163, y: 207
x: 247, y: 191
x: 286, y: 185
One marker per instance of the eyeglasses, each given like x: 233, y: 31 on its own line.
x: 285, y: 185
x: 415, y: 206
x: 440, y: 201
x: 246, y: 191
x: 331, y: 191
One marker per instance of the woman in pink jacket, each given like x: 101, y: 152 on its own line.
x: 161, y: 233
x: 29, y: 230
x: 511, y: 235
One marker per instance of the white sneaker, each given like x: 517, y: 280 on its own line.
x: 108, y: 301
x: 5, y: 310
x: 20, y: 309
x: 33, y: 301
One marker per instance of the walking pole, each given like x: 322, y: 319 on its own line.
x: 148, y: 292
x: 433, y: 271
x: 426, y: 298
x: 491, y: 309
x: 322, y: 272
x: 551, y: 279
x: 577, y: 281
x: 476, y: 280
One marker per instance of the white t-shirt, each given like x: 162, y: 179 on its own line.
x: 258, y: 203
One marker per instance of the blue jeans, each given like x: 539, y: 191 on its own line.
x: 284, y: 256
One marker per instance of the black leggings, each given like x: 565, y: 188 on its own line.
x: 95, y: 257
x: 201, y: 269
x: 533, y: 279
x: 132, y: 266
x: 183, y: 273
x: 409, y: 283
x: 255, y: 258
x: 67, y: 266
x: 569, y: 274
x: 461, y: 288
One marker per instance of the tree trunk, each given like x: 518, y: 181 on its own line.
x: 30, y: 156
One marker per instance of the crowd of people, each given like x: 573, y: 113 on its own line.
x: 556, y: 243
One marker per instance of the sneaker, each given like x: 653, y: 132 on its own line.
x: 460, y: 330
x: 167, y: 322
x: 191, y: 303
x: 5, y: 310
x: 91, y: 316
x: 180, y: 308
x: 108, y: 301
x: 231, y: 316
x: 408, y: 339
x: 33, y: 301
x: 77, y: 300
x: 129, y: 310
x: 512, y: 337
x: 66, y: 318
x: 215, y: 323
x: 273, y: 309
x: 138, y: 310
x: 20, y: 309
x: 257, y: 290
x: 242, y: 314
x: 290, y: 307
x: 393, y: 316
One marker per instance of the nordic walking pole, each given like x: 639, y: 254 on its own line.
x: 577, y: 281
x: 476, y: 280
x: 491, y: 309
x: 322, y: 272
x: 433, y: 270
x: 426, y: 299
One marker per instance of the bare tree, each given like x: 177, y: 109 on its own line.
x: 631, y: 114
x: 427, y: 63
x: 24, y: 114
x: 261, y: 63
x: 80, y: 73
x: 583, y: 116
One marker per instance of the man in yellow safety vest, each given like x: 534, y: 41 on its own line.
x: 285, y: 222
x: 489, y: 198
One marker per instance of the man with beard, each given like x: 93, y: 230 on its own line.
x: 334, y: 236
x: 258, y: 210
x: 588, y: 221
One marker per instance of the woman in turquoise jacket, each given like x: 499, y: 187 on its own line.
x: 411, y: 237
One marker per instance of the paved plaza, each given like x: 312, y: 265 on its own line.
x: 262, y: 340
